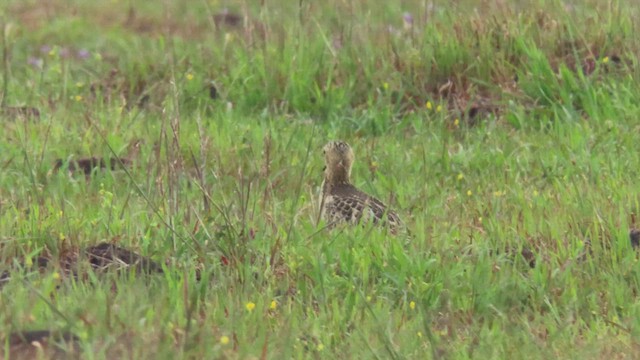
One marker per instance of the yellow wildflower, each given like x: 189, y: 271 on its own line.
x: 224, y: 340
x: 273, y: 305
x: 428, y: 105
x: 250, y: 306
x: 412, y: 305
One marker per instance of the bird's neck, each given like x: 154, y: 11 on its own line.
x: 337, y: 178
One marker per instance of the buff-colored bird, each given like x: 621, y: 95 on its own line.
x: 341, y: 202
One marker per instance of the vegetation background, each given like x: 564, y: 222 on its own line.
x: 504, y: 132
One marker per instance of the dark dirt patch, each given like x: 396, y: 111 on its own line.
x: 526, y: 253
x: 213, y: 91
x: 17, y: 112
x: 226, y: 18
x: 40, y: 263
x: 106, y: 256
x: 47, y: 344
x: 35, y: 15
x: 141, y: 23
x: 135, y: 91
x: 230, y: 21
x: 477, y: 110
x: 634, y: 237
x: 102, y: 258
x: 584, y: 57
x: 472, y: 104
x: 27, y: 337
x: 529, y: 256
x: 87, y: 165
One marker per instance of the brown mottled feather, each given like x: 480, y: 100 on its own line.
x: 343, y: 202
x: 347, y: 203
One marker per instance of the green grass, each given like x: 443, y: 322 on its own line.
x: 230, y: 185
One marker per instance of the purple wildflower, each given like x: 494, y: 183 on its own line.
x: 35, y: 62
x: 64, y: 52
x: 407, y: 20
x: 83, y: 54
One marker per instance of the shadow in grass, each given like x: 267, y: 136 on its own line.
x: 226, y: 18
x: 106, y: 256
x: 16, y: 112
x: 102, y: 258
x: 526, y: 253
x: 634, y: 237
x: 462, y: 98
x: 87, y: 165
x: 43, y: 344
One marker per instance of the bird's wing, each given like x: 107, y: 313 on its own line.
x: 344, y: 208
x: 358, y: 206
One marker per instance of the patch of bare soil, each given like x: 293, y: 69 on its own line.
x: 102, y: 258
x: 43, y: 344
x: 20, y: 112
x: 634, y: 237
x: 34, y: 15
x: 87, y: 165
x: 106, y: 256
x: 132, y: 92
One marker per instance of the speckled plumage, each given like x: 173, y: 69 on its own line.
x: 341, y: 201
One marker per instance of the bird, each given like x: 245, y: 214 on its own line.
x: 341, y: 201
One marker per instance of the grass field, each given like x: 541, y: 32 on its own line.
x: 505, y: 133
